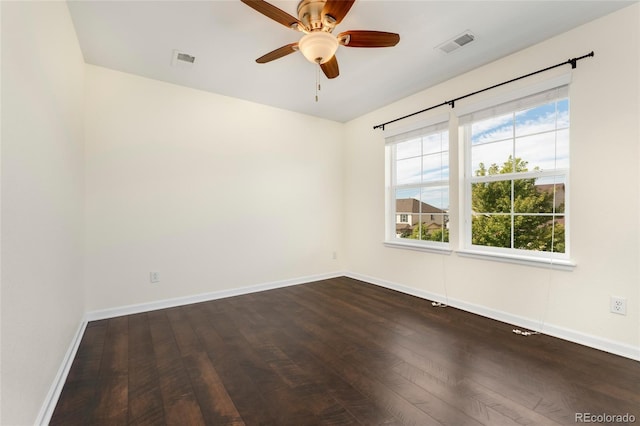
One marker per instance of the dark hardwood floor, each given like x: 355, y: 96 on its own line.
x: 335, y: 352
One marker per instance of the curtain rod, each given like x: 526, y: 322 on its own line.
x: 452, y: 102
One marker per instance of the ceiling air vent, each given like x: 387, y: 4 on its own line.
x: 457, y: 42
x: 182, y: 59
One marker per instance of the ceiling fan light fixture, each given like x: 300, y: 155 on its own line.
x: 318, y: 47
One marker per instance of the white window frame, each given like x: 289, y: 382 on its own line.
x: 465, y: 114
x: 426, y: 127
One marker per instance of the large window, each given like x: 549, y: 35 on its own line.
x: 418, y: 186
x: 516, y: 176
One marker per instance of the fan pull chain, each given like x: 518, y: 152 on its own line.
x: 317, y: 82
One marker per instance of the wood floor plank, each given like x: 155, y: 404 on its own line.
x: 345, y: 402
x: 257, y: 355
x: 281, y: 356
x: 113, y: 382
x: 222, y: 350
x: 180, y: 404
x: 334, y: 352
x: 215, y: 403
x: 145, y: 399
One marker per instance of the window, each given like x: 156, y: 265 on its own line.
x: 516, y: 176
x: 418, y: 186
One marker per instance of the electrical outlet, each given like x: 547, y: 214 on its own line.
x: 618, y: 305
x: 154, y: 277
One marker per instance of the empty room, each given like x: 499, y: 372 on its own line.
x: 320, y: 212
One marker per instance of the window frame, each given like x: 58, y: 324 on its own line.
x: 460, y: 198
x: 433, y: 125
x: 467, y: 178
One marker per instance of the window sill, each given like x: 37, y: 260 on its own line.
x: 417, y: 247
x: 540, y: 262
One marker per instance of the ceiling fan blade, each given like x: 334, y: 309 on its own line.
x: 337, y: 9
x: 359, y: 38
x: 278, y: 53
x: 330, y: 68
x: 270, y: 11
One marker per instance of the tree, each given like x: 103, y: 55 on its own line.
x: 495, y: 209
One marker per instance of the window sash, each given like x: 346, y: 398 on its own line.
x: 466, y: 121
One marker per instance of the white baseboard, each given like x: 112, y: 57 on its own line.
x: 46, y: 411
x: 616, y: 348
x: 203, y: 297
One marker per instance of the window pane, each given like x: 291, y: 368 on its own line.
x: 435, y: 227
x: 530, y: 198
x: 404, y: 230
x: 562, y: 149
x: 563, y: 114
x: 435, y: 167
x: 493, y: 129
x: 492, y: 154
x: 408, y: 171
x: 491, y: 230
x: 538, y: 151
x: 435, y: 199
x: 553, y: 188
x: 445, y: 229
x: 491, y: 197
x: 406, y: 211
x: 537, y: 233
x: 407, y: 193
x: 436, y: 142
x: 538, y: 119
x: 408, y: 149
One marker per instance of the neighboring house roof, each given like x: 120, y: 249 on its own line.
x: 411, y: 205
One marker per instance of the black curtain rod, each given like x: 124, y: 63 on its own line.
x: 452, y: 102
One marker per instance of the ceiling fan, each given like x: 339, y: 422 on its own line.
x: 317, y: 20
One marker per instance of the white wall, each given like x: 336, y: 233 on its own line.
x: 605, y: 236
x: 212, y: 192
x: 42, y: 201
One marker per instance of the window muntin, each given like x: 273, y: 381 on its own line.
x: 517, y: 165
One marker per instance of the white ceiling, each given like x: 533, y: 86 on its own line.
x: 226, y: 37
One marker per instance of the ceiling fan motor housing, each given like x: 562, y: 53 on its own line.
x: 310, y: 14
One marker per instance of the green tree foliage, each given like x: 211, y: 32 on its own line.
x: 493, y: 207
x: 423, y: 233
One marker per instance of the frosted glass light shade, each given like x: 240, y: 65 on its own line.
x: 318, y: 47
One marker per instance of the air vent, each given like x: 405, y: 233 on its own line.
x: 183, y: 60
x: 186, y: 58
x: 457, y: 42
